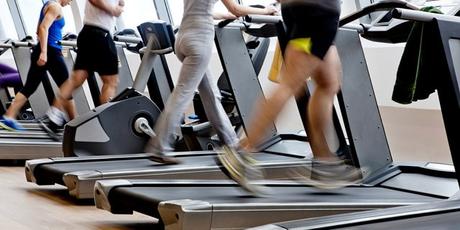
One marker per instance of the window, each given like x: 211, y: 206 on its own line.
x: 30, y: 12
x: 177, y: 9
x: 137, y: 12
x: 69, y: 21
x: 7, y: 29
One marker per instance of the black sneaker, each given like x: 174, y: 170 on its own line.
x: 52, y: 129
x: 241, y: 169
x: 156, y: 156
x: 328, y: 174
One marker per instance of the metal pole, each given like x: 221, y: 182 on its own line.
x: 17, y: 19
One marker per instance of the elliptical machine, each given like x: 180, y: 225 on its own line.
x: 122, y: 125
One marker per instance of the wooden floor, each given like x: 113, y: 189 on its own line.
x: 412, y: 136
x: 27, y: 206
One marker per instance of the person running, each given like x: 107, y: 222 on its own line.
x: 193, y: 47
x: 311, y: 27
x: 96, y: 52
x: 46, y: 56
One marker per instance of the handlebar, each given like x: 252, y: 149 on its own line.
x: 269, y: 19
x: 380, y: 6
x: 421, y: 16
x: 127, y: 39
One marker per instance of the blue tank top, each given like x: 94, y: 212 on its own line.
x: 55, y: 30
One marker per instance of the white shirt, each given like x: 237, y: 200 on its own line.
x: 97, y: 17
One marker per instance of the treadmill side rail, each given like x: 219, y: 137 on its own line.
x: 31, y: 165
x: 102, y: 190
x: 186, y: 214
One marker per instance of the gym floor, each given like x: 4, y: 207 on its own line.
x: 27, y: 206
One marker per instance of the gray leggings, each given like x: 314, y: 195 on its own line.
x: 194, y: 51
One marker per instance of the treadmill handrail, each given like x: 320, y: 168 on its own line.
x: 380, y: 6
x: 23, y: 44
x: 266, y: 19
x: 421, y: 16
x: 127, y: 39
x: 72, y: 43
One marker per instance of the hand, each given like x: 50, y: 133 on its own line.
x: 228, y: 15
x: 42, y: 59
x: 271, y: 10
x: 117, y: 10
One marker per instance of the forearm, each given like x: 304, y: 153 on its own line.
x: 239, y: 10
x: 43, y: 38
x: 222, y: 15
x: 245, y: 10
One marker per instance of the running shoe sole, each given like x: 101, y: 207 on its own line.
x: 163, y: 159
x: 234, y: 172
x: 50, y: 132
x: 305, y: 178
x: 6, y: 127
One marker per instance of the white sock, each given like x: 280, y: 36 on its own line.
x: 56, y: 116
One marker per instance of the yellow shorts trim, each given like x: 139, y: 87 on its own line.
x: 302, y: 44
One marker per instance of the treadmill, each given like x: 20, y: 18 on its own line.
x: 437, y: 215
x: 206, y: 205
x: 34, y: 142
x: 80, y: 173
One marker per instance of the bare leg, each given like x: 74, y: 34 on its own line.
x: 18, y: 103
x: 69, y: 107
x: 298, y: 67
x: 327, y: 78
x: 109, y: 87
x: 62, y: 101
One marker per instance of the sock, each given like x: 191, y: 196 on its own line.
x: 56, y: 116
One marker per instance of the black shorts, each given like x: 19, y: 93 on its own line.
x: 96, y: 51
x: 55, y: 65
x: 310, y: 21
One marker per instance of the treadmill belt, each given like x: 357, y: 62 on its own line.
x: 434, y: 215
x: 54, y: 172
x: 145, y: 198
x: 440, y: 221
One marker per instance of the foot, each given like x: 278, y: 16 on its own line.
x: 162, y: 158
x: 157, y: 156
x: 52, y: 129
x: 10, y: 124
x: 53, y: 123
x: 242, y: 169
x: 328, y: 174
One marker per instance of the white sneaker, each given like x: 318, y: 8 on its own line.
x: 242, y: 169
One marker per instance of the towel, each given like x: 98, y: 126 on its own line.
x: 419, y: 66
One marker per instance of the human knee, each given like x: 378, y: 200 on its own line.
x: 329, y: 86
x: 78, y: 78
x: 110, y: 82
x: 328, y: 78
x: 26, y: 92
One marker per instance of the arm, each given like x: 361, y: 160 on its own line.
x: 239, y: 10
x: 52, y: 12
x: 112, y: 10
x: 223, y: 15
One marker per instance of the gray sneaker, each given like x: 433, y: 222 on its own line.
x: 242, y: 169
x: 157, y: 156
x: 328, y: 174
